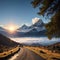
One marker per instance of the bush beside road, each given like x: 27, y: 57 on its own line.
x: 10, y: 52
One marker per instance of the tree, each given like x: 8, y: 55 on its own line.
x: 50, y: 8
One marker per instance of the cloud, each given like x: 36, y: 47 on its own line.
x: 34, y: 20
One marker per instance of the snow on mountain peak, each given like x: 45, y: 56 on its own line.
x: 39, y: 23
x: 23, y: 27
x: 37, y: 26
x: 34, y: 20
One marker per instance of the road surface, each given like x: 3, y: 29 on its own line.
x: 26, y: 54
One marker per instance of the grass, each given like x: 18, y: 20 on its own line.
x: 46, y: 54
x: 6, y: 53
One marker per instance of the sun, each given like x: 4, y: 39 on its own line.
x: 11, y: 28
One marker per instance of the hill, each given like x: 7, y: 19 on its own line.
x: 6, y: 43
x: 54, y: 48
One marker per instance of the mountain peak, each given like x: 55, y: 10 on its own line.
x: 39, y: 23
x: 38, y: 26
x: 24, y: 25
x: 2, y: 29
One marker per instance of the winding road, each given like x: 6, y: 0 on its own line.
x: 26, y: 54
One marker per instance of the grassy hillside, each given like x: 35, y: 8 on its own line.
x: 6, y: 44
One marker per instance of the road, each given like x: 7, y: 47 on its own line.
x: 26, y: 54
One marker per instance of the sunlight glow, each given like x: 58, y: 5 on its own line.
x: 11, y: 28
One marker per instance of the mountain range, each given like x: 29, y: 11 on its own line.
x: 38, y: 26
x: 37, y: 29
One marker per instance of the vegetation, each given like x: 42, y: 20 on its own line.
x: 50, y: 8
x: 51, y: 52
x: 7, y: 46
x: 9, y: 52
x: 54, y: 48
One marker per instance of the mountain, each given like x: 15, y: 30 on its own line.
x: 38, y: 26
x: 6, y: 41
x: 39, y: 23
x: 37, y: 29
x: 4, y: 32
x: 24, y: 28
x: 2, y: 29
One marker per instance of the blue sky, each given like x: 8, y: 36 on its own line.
x: 18, y: 12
